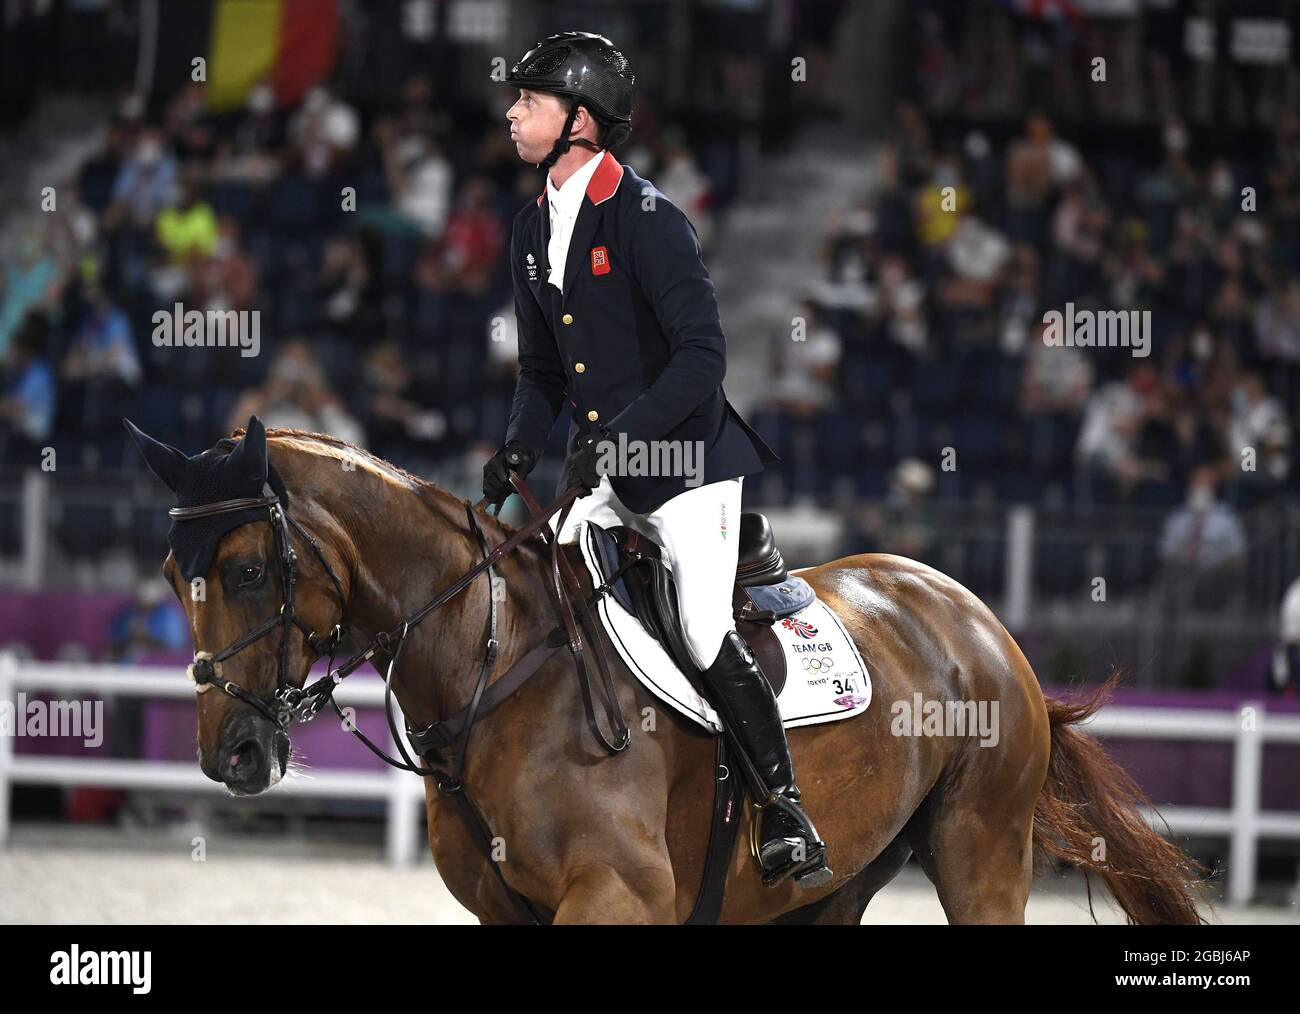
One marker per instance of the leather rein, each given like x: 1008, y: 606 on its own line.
x: 562, y: 586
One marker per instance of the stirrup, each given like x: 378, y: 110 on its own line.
x: 810, y: 871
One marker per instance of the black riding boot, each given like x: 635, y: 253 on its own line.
x: 786, y: 842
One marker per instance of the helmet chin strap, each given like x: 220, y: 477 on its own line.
x: 563, y: 144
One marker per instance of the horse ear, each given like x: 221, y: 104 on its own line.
x: 164, y: 460
x: 249, y: 456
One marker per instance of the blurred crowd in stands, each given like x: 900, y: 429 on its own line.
x: 373, y: 251
x: 371, y: 238
x: 925, y: 332
x: 931, y: 321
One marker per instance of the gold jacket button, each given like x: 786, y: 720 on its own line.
x: 593, y: 415
x: 567, y: 318
x: 579, y: 367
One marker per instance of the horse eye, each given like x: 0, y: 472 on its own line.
x: 250, y: 575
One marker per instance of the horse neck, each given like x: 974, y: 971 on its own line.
x: 409, y: 549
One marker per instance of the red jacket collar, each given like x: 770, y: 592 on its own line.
x: 604, y: 181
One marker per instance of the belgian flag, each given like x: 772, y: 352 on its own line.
x: 294, y: 44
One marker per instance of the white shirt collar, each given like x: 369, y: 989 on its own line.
x: 568, y: 199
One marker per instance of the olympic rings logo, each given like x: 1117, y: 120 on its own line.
x: 818, y: 664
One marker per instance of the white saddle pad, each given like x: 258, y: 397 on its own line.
x: 826, y: 680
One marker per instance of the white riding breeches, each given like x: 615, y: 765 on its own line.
x: 699, y: 532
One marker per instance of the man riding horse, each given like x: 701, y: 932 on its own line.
x: 617, y: 317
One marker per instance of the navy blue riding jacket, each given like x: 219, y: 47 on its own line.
x: 634, y: 343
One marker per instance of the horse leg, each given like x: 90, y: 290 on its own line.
x: 976, y: 848
x: 617, y: 896
x: 982, y: 875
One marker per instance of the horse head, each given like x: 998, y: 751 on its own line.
x: 234, y: 567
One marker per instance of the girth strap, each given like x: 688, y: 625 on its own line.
x: 728, y: 801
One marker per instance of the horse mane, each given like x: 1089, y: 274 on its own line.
x: 346, y: 445
x: 421, y: 486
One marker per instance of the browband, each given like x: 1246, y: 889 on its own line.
x: 221, y: 507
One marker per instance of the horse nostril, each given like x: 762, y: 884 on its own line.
x: 245, y: 759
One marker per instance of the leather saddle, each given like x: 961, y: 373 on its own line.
x: 764, y: 592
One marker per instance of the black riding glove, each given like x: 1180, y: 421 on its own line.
x: 496, y: 473
x: 581, y: 470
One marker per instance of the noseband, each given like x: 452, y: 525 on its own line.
x: 205, y: 671
x: 452, y: 732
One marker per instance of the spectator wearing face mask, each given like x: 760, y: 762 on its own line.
x: 906, y: 523
x: 1277, y: 324
x: 31, y: 279
x: 419, y: 176
x: 681, y: 182
x: 1113, y: 418
x: 901, y: 306
x: 1038, y: 163
x: 941, y: 205
x: 324, y: 133
x: 804, y: 372
x: 396, y: 415
x: 103, y: 351
x: 474, y: 239
x: 297, y: 395
x: 186, y: 122
x: 145, y: 185
x: 150, y: 624
x: 977, y: 257
x: 151, y: 628
x: 227, y: 280
x: 187, y: 231
x: 1203, y: 545
x: 253, y: 152
x: 1259, y: 427
x: 1057, y: 378
x: 28, y: 402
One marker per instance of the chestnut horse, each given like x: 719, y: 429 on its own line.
x: 597, y: 838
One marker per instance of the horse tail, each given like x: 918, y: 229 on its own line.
x: 1089, y: 806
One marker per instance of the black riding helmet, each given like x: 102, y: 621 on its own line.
x: 591, y: 69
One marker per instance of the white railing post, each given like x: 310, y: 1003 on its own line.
x: 1247, y: 756
x: 8, y: 666
x: 35, y: 527
x: 399, y: 826
x: 1019, y: 565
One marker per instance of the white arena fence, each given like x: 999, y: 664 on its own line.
x: 401, y: 792
x: 1243, y: 824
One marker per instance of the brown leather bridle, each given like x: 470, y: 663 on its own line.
x: 205, y: 670
x: 307, y: 701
